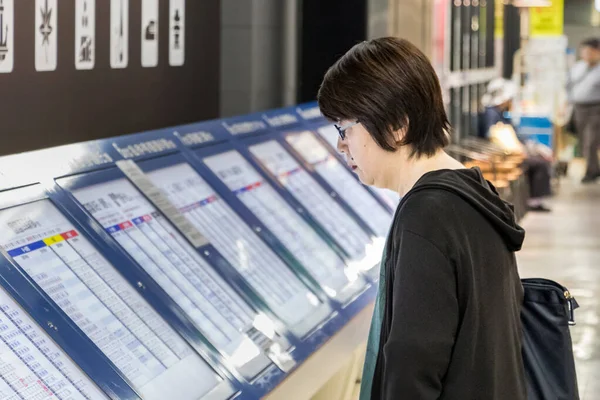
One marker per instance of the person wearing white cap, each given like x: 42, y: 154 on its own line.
x: 497, y: 101
x: 499, y: 94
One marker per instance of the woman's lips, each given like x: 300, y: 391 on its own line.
x: 354, y: 167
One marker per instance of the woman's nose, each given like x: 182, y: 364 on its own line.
x: 341, y: 146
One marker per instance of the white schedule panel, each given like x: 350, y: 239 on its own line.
x: 364, y: 252
x: 280, y: 218
x: 218, y: 312
x: 32, y: 366
x: 342, y: 181
x: 283, y: 292
x: 330, y: 134
x: 156, y: 360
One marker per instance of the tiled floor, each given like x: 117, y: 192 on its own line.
x: 565, y: 246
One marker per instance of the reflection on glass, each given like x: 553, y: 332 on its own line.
x: 330, y: 134
x: 332, y: 217
x: 342, y: 181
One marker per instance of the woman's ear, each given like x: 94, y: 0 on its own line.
x: 400, y: 133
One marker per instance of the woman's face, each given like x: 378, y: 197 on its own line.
x: 363, y: 154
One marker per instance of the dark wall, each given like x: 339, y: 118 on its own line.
x: 512, y: 38
x: 327, y: 30
x: 488, y: 34
x: 42, y: 109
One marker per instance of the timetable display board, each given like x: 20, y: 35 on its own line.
x: 326, y: 267
x: 213, y: 306
x: 330, y: 134
x: 69, y: 269
x: 32, y: 366
x: 340, y: 179
x: 363, y: 252
x: 284, y: 293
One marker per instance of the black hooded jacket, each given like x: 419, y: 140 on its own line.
x: 451, y: 325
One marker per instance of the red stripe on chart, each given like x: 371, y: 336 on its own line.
x: 126, y: 225
x: 290, y: 172
x: 254, y: 185
x: 69, y: 235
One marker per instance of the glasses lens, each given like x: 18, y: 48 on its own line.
x: 341, y: 132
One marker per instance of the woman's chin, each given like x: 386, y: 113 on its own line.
x: 365, y: 180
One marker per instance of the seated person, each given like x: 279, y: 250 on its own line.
x: 498, y: 129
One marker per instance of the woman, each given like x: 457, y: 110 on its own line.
x: 446, y: 322
x: 497, y: 101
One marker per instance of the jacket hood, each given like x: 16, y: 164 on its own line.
x: 470, y: 185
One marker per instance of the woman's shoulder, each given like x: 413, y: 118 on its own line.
x: 426, y: 213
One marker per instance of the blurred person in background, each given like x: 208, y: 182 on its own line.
x: 498, y: 128
x: 584, y: 93
x: 446, y: 323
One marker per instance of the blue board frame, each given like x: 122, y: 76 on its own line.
x: 261, y: 122
x: 189, y: 143
x: 310, y: 113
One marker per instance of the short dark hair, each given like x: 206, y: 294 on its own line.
x: 594, y: 43
x: 387, y: 84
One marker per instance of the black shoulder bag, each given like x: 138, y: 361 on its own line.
x: 547, y: 313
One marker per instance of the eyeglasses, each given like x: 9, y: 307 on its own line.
x: 342, y: 129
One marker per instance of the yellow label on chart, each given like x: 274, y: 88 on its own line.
x: 53, y: 240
